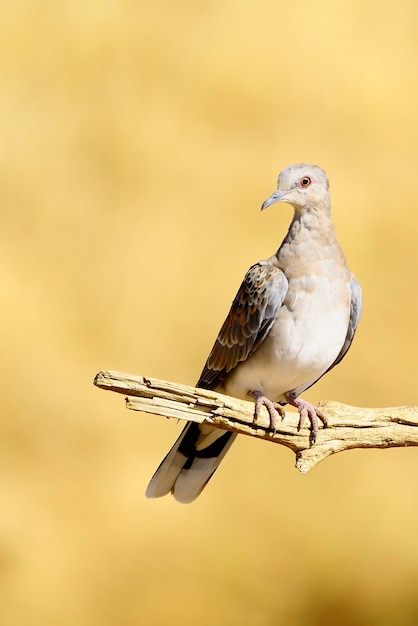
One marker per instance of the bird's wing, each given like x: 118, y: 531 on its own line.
x: 356, y: 304
x: 200, y: 448
x: 249, y: 321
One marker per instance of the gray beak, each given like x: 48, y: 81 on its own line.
x: 277, y: 196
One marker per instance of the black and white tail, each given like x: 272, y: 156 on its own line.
x: 190, y: 463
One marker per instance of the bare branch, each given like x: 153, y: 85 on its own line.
x: 348, y: 426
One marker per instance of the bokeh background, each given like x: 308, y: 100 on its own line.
x: 137, y: 142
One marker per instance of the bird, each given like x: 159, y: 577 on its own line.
x: 292, y: 320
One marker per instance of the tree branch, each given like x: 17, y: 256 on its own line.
x: 348, y: 426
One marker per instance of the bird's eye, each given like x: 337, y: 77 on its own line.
x: 305, y: 181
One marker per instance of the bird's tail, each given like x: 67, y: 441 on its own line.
x: 190, y: 463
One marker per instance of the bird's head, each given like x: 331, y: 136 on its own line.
x: 303, y: 186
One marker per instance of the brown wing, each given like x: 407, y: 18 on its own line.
x: 251, y: 316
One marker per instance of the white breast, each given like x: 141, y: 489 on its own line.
x: 304, y: 341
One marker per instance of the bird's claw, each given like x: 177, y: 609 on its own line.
x: 307, y: 410
x: 275, y: 410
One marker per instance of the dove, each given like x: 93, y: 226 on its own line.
x: 293, y: 319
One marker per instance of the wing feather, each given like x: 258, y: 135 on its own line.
x: 249, y: 320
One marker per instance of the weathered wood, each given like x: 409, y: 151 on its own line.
x: 348, y: 426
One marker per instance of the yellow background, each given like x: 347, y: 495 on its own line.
x: 137, y: 143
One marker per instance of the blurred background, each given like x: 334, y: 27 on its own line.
x: 137, y: 143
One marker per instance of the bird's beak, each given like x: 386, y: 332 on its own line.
x: 277, y: 196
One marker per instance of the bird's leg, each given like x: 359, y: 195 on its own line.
x: 308, y: 410
x: 275, y: 410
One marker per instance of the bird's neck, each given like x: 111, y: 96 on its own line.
x: 311, y: 236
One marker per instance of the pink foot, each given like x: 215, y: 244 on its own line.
x: 308, y: 410
x: 275, y: 410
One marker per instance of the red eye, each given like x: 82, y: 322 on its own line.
x: 305, y: 181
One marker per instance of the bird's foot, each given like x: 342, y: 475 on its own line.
x: 308, y: 410
x: 275, y: 410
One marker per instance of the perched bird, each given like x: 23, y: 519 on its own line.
x: 293, y: 319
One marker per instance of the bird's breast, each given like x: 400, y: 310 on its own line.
x: 305, y: 339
